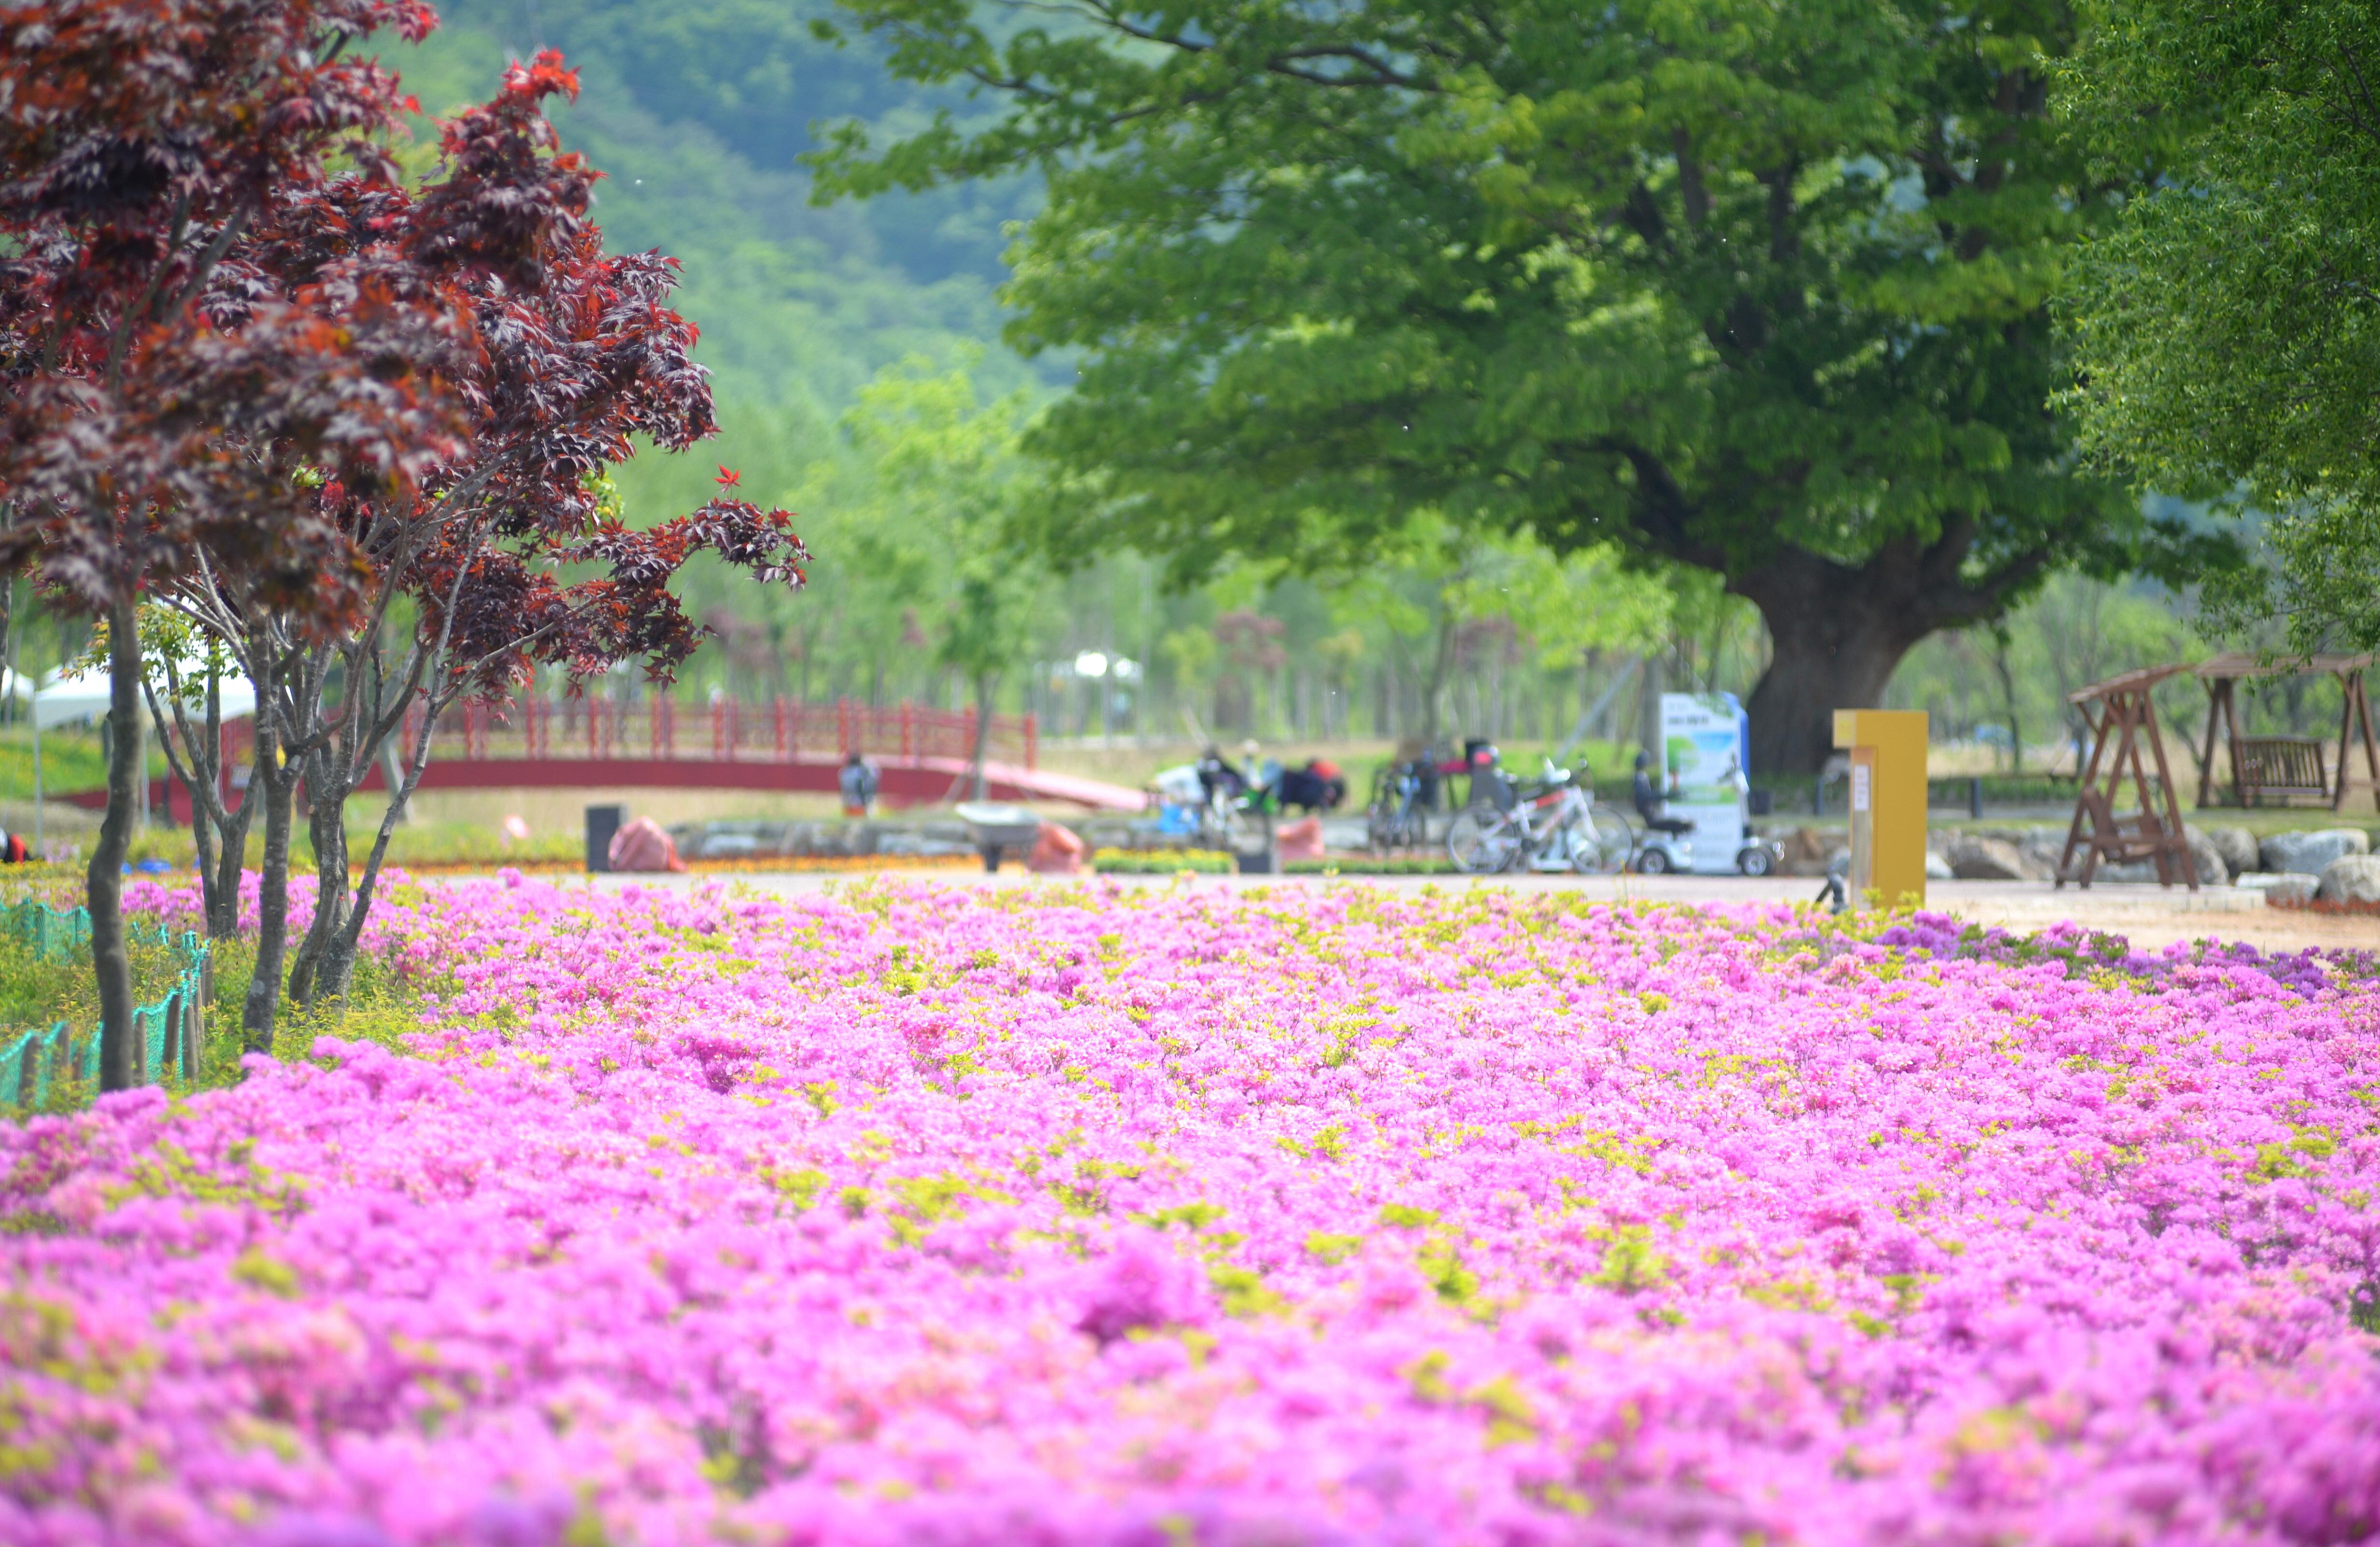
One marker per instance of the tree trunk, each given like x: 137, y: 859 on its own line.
x: 1837, y: 635
x: 104, y: 890
x: 2007, y: 696
x: 338, y: 967
x: 326, y: 824
x: 231, y: 859
x: 984, y: 683
x: 279, y: 788
x: 1649, y: 689
x: 1441, y: 662
x: 405, y: 769
x: 219, y: 835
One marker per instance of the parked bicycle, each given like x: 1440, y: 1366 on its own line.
x: 1398, y: 816
x: 1554, y: 825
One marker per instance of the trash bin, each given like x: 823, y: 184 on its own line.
x: 602, y: 827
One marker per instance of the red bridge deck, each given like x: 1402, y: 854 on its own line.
x: 922, y: 755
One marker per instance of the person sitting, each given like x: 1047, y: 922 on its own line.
x: 1216, y: 776
x: 1315, y: 787
x: 1650, y: 803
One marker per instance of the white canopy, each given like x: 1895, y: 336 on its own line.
x: 60, y: 697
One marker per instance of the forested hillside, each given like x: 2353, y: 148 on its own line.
x: 696, y: 113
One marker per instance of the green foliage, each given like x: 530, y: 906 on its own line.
x: 907, y: 507
x: 1112, y: 862
x: 2017, y: 679
x: 2226, y: 329
x: 1760, y: 290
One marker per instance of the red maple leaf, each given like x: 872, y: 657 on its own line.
x: 728, y: 479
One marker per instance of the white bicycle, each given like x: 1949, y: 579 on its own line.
x: 1554, y: 825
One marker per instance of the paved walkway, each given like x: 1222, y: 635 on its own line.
x: 2149, y: 916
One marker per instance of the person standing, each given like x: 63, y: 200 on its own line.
x: 858, y: 781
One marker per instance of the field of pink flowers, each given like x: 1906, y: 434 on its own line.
x: 1051, y: 1216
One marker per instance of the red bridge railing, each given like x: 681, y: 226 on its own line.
x: 666, y: 730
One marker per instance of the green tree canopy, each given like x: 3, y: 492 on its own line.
x: 2228, y: 327
x: 1758, y: 289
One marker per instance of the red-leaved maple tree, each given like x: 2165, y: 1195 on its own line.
x: 142, y: 142
x: 506, y: 554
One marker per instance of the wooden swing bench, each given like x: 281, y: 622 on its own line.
x: 2113, y: 840
x: 2123, y: 727
x: 2281, y: 767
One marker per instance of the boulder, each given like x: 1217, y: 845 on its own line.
x: 1937, y: 868
x: 2352, y: 877
x: 2290, y: 891
x: 2213, y: 866
x: 2238, y: 847
x: 2042, y: 846
x: 2307, y: 853
x: 1973, y: 857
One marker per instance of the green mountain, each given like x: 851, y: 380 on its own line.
x: 696, y: 113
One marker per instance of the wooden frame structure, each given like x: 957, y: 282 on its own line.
x: 2121, y: 716
x: 2279, y: 766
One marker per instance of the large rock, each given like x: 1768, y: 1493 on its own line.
x: 2352, y: 877
x: 2290, y: 891
x: 1973, y: 857
x: 2213, y: 866
x: 2042, y: 846
x: 2238, y: 847
x: 2307, y: 853
x: 1936, y: 870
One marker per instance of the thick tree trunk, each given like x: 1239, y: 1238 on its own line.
x: 1837, y: 634
x: 104, y: 890
x: 279, y: 788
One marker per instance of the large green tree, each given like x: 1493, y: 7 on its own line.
x: 2226, y: 328
x: 1756, y: 288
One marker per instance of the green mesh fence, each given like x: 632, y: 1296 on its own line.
x: 167, y: 1036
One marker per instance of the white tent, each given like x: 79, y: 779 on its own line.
x: 60, y: 697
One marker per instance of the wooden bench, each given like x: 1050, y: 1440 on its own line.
x: 2281, y: 766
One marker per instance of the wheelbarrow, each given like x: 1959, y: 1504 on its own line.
x: 993, y: 828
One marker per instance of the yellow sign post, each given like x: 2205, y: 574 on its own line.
x: 1888, y: 749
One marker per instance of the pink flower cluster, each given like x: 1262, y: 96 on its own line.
x: 1058, y: 1216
